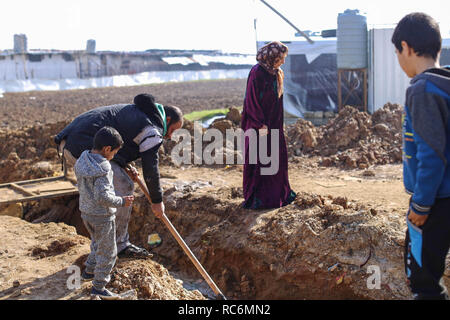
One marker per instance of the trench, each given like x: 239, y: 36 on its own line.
x: 214, y: 229
x: 207, y: 227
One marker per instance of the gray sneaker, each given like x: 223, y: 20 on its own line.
x: 104, y: 294
x: 87, y: 276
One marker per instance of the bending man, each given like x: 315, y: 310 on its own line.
x: 143, y: 125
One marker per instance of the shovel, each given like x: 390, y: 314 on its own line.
x: 176, y: 235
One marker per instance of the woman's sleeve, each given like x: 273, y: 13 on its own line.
x: 252, y: 105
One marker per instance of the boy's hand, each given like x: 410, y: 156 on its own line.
x: 417, y: 219
x: 128, y: 201
x: 158, y: 209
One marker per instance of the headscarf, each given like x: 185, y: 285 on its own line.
x: 270, y: 54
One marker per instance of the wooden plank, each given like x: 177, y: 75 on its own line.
x: 23, y: 190
x: 37, y: 189
x: 39, y: 197
x: 33, y: 181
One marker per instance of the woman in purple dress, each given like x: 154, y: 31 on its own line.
x: 263, y: 112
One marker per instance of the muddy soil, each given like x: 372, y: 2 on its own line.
x: 348, y: 218
x: 36, y: 262
x: 353, y: 139
x: 323, y: 246
x: 40, y: 107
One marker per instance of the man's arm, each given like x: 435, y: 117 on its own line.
x: 150, y: 163
x: 149, y: 141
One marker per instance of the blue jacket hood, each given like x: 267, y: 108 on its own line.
x: 439, y: 76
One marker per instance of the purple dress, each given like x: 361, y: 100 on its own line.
x: 263, y: 107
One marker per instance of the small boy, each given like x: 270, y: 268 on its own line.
x: 426, y: 154
x: 97, y: 205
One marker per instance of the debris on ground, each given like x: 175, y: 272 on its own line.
x: 353, y: 139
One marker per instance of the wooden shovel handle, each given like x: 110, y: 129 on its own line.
x: 178, y: 238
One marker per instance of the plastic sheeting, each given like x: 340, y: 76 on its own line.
x: 310, y: 82
x: 311, y: 75
x: 205, y: 60
x: 119, y: 81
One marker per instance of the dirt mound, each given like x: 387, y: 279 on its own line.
x: 319, y: 247
x: 36, y: 261
x: 234, y: 115
x: 147, y: 278
x: 231, y: 121
x: 353, y: 139
x: 29, y: 153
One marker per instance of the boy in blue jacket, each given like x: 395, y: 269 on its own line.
x: 426, y: 154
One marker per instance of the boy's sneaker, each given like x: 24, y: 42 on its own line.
x: 104, y: 294
x: 87, y: 276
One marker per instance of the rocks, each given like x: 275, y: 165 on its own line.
x: 50, y: 153
x: 16, y: 283
x: 342, y: 201
x: 234, y: 115
x: 308, y: 139
x: 352, y: 140
x: 13, y: 156
x: 381, y: 129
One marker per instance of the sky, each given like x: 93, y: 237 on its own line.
x: 227, y: 25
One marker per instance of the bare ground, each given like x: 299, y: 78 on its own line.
x: 319, y: 247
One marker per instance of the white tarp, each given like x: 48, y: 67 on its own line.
x: 178, y: 60
x: 230, y: 60
x: 120, y: 81
x: 205, y: 60
x: 311, y: 51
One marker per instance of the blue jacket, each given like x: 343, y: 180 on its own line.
x: 426, y: 139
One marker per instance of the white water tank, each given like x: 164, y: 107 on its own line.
x: 352, y: 44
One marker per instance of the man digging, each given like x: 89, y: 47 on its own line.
x: 143, y: 125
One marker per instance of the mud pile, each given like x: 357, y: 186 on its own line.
x: 319, y: 247
x: 353, y: 139
x: 151, y: 280
x: 29, y: 153
x: 231, y: 121
x: 35, y: 261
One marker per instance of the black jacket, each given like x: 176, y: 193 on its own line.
x: 129, y: 121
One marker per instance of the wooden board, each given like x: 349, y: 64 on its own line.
x: 31, y: 190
